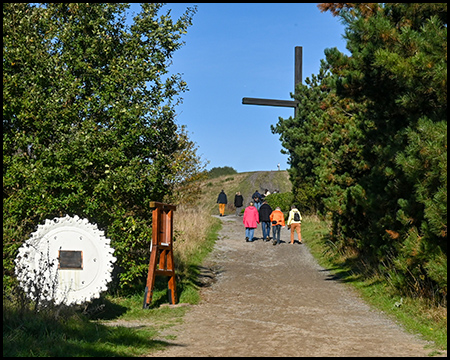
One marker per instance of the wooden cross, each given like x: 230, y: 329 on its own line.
x: 297, y: 80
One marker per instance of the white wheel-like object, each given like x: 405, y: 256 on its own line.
x: 67, y: 260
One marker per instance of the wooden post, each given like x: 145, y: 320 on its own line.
x: 161, y: 256
x: 298, y: 67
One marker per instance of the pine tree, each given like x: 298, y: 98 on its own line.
x: 365, y: 143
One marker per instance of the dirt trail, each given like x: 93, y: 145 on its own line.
x: 277, y: 301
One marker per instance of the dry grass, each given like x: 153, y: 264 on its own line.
x: 191, y: 225
x: 312, y: 218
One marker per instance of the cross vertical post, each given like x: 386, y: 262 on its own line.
x: 298, y: 67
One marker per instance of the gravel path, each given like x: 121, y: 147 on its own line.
x: 270, y: 300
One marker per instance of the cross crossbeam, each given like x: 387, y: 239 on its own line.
x: 297, y: 80
x: 269, y: 102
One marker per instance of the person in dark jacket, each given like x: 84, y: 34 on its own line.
x: 238, y: 203
x: 264, y: 218
x: 222, y: 201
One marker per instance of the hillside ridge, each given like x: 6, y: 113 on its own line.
x: 246, y: 183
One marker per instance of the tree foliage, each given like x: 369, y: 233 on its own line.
x: 369, y: 143
x: 189, y: 170
x: 88, y: 121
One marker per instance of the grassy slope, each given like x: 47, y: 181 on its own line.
x: 246, y: 183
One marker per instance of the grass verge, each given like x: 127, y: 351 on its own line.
x: 26, y: 334
x: 417, y: 315
x: 117, y: 326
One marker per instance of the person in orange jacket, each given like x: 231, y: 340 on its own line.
x: 277, y: 219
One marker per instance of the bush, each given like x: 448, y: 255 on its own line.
x: 219, y: 171
x: 283, y: 200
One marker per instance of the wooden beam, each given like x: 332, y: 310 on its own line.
x: 155, y: 204
x: 270, y: 102
x: 298, y: 66
x: 298, y: 59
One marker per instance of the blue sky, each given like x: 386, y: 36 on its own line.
x: 236, y: 50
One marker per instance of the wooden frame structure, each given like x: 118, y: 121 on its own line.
x: 161, y: 251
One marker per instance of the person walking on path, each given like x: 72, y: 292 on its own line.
x: 222, y: 201
x: 264, y: 218
x: 251, y: 221
x: 238, y: 203
x: 277, y: 219
x: 294, y: 223
x: 257, y: 199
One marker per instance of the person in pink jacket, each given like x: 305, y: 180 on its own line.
x: 251, y: 221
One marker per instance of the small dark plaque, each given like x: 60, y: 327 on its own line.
x: 70, y: 259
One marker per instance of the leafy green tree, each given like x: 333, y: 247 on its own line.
x: 88, y: 121
x: 189, y: 169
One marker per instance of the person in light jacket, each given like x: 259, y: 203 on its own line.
x: 295, y: 225
x: 251, y: 221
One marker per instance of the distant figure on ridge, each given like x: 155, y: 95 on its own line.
x: 222, y: 201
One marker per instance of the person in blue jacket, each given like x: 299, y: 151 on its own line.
x: 257, y: 199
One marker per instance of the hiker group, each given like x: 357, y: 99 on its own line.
x: 260, y: 212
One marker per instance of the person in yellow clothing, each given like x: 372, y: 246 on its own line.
x: 277, y: 219
x: 294, y: 223
x: 222, y: 201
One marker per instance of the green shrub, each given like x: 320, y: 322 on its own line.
x: 283, y: 200
x: 220, y: 171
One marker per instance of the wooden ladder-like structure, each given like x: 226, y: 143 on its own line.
x: 161, y: 255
